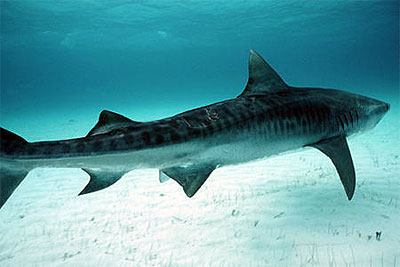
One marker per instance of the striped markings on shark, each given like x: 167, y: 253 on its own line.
x: 267, y: 118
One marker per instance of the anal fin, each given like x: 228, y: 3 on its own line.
x: 191, y: 178
x: 100, y: 179
x: 337, y: 150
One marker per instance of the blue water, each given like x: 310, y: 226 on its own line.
x: 68, y: 60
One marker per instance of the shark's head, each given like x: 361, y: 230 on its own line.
x: 356, y: 113
x: 370, y: 111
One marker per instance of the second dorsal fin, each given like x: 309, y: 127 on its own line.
x: 262, y: 77
x: 109, y: 121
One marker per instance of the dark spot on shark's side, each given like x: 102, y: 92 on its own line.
x: 112, y: 145
x: 346, y: 122
x: 31, y: 150
x: 219, y: 125
x: 157, y: 128
x: 257, y: 118
x: 341, y: 123
x: 284, y: 113
x: 270, y: 115
x: 19, y: 148
x: 241, y: 116
x: 291, y: 127
x: 290, y: 113
x: 280, y: 127
x: 178, y: 123
x: 97, y: 146
x: 227, y: 122
x: 307, y: 117
x: 231, y: 114
x: 274, y: 127
x: 274, y: 102
x: 311, y: 115
x: 275, y: 113
x: 297, y: 114
x: 159, y: 139
x: 210, y: 128
x: 65, y: 148
x: 351, y: 119
x: 175, y: 136
x: 48, y: 150
x: 146, y: 137
x: 214, y: 127
x: 283, y: 93
x: 317, y: 115
x: 7, y: 150
x: 304, y: 125
x: 326, y: 115
x: 193, y: 132
x: 129, y: 139
x: 283, y: 126
x: 310, y: 118
x: 139, y: 144
x: 80, y: 148
x: 356, y: 112
x: 236, y: 117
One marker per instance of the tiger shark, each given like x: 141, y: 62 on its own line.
x: 268, y: 118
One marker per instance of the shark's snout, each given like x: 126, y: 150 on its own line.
x: 375, y: 112
x: 387, y: 106
x: 382, y: 107
x: 377, y: 107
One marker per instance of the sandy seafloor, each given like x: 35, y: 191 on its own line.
x: 289, y: 210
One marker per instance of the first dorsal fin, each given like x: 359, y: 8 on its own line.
x: 262, y: 77
x: 109, y: 121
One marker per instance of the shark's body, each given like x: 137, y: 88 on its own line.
x: 268, y: 118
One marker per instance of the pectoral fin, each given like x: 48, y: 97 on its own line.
x: 100, y: 179
x: 337, y: 150
x: 190, y: 178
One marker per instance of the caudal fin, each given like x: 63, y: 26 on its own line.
x: 11, y: 172
x: 9, y: 181
x: 9, y: 142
